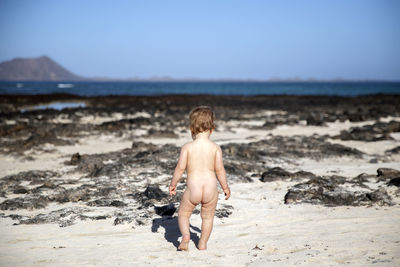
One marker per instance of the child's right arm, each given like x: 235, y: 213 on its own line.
x: 179, y: 170
x: 221, y: 174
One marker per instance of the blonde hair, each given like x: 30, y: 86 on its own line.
x: 201, y: 119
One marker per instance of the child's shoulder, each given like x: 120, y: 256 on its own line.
x: 191, y: 143
x: 215, y: 144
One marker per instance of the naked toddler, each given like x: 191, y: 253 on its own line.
x: 202, y: 160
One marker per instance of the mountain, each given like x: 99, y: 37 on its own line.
x: 35, y: 69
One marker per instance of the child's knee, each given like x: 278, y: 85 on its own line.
x: 207, y: 214
x: 184, y: 213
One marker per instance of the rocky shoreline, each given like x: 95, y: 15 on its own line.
x: 130, y: 185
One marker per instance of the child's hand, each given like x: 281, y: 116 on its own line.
x: 227, y: 193
x: 172, y: 190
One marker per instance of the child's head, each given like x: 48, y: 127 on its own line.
x: 201, y: 120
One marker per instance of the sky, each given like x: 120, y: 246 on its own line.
x: 349, y: 39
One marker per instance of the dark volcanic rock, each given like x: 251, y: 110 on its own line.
x: 387, y: 173
x: 28, y: 202
x: 161, y: 134
x: 315, y: 147
x: 115, y: 179
x: 20, y: 190
x: 395, y: 150
x: 277, y: 174
x: 107, y: 203
x: 12, y: 183
x: 243, y: 159
x: 154, y: 192
x: 124, y: 124
x: 72, y: 195
x: 394, y: 181
x: 370, y: 133
x: 64, y: 217
x: 90, y: 165
x: 224, y: 212
x: 335, y: 191
x: 75, y: 159
x: 316, y: 118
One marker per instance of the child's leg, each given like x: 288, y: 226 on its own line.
x: 185, y: 211
x: 207, y: 217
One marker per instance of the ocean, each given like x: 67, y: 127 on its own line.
x: 212, y: 88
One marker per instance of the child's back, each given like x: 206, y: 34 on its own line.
x: 202, y: 159
x: 201, y: 180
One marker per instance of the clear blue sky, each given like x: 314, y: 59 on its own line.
x: 208, y: 39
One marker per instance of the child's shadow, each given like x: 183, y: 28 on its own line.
x: 172, y: 232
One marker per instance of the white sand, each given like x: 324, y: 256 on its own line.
x: 286, y: 234
x: 261, y: 231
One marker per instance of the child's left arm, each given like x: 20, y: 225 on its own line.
x: 179, y: 170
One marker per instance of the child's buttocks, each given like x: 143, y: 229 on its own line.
x: 201, y: 186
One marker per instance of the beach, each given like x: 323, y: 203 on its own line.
x: 314, y: 181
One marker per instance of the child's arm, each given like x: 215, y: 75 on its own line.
x: 179, y: 170
x: 221, y: 174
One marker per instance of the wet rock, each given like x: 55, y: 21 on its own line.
x: 166, y: 210
x: 279, y: 174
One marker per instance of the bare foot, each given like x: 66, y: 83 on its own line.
x: 201, y: 246
x: 184, y: 246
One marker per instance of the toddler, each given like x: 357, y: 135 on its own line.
x: 202, y: 160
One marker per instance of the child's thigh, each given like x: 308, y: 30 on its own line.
x: 193, y: 194
x: 209, y: 193
x: 208, y: 208
x: 186, y: 205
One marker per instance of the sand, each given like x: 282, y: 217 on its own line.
x: 261, y: 231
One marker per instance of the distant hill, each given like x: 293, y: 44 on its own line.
x: 35, y: 69
x: 45, y: 69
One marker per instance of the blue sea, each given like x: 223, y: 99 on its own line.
x: 212, y: 88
